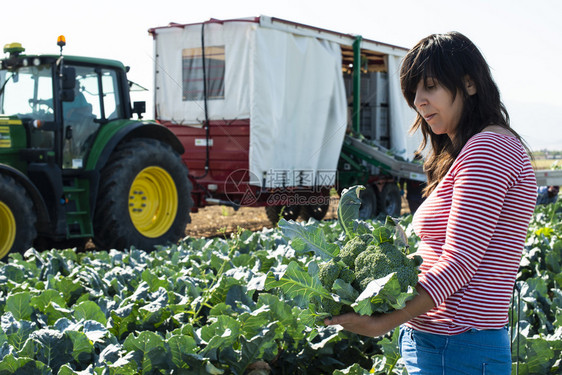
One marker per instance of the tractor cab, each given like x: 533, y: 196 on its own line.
x: 62, y: 101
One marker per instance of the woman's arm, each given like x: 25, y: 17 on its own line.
x: 378, y: 325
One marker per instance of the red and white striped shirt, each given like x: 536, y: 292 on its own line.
x: 472, y: 229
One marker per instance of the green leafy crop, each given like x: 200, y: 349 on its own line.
x: 230, y: 306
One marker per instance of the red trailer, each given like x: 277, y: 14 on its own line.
x: 262, y: 107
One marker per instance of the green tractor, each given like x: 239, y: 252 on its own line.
x: 75, y: 166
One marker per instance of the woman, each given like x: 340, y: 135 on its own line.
x: 480, y: 196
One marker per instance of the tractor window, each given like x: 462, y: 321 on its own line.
x: 81, y: 117
x: 27, y: 92
x: 88, y: 91
x: 111, y: 102
x: 96, y: 101
x: 192, y: 73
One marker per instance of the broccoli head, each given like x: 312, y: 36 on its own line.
x: 347, y: 275
x: 407, y: 276
x: 353, y: 248
x: 370, y: 265
x: 330, y: 271
x: 370, y: 260
x: 381, y: 260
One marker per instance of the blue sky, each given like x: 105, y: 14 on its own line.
x: 522, y: 40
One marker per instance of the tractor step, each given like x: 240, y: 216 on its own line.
x: 76, y: 201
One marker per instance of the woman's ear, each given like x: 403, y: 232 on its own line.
x: 469, y: 85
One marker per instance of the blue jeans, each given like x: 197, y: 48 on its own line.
x: 474, y: 352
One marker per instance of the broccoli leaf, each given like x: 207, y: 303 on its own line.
x: 387, y: 362
x: 297, y: 284
x: 181, y: 347
x: 361, y: 227
x: 382, y: 234
x: 382, y: 295
x: 222, y: 332
x: 12, y: 365
x: 307, y: 237
x: 401, y: 236
x: 348, y: 209
x: 19, y: 304
x: 346, y: 293
x: 354, y: 369
x: 149, y: 351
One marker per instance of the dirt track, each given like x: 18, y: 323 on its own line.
x: 209, y: 221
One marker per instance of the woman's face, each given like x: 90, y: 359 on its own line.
x: 436, y: 105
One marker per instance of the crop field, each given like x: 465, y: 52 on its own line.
x: 546, y: 163
x: 236, y: 305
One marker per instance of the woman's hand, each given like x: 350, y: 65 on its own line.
x: 378, y: 325
x: 366, y: 325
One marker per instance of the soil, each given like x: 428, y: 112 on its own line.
x: 214, y: 221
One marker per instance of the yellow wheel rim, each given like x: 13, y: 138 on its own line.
x: 153, y: 202
x: 8, y: 232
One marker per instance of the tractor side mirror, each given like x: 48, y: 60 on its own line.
x: 139, y: 108
x: 68, y: 82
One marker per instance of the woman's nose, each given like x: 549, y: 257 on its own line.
x: 419, y: 99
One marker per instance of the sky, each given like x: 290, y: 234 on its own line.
x: 521, y: 40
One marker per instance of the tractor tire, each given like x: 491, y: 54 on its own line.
x: 289, y: 213
x: 316, y: 211
x: 368, y: 208
x: 144, y: 197
x: 17, y: 218
x: 390, y: 202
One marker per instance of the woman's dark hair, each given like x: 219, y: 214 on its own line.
x: 451, y: 58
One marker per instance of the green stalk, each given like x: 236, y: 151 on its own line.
x: 392, y: 366
x: 208, y: 293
